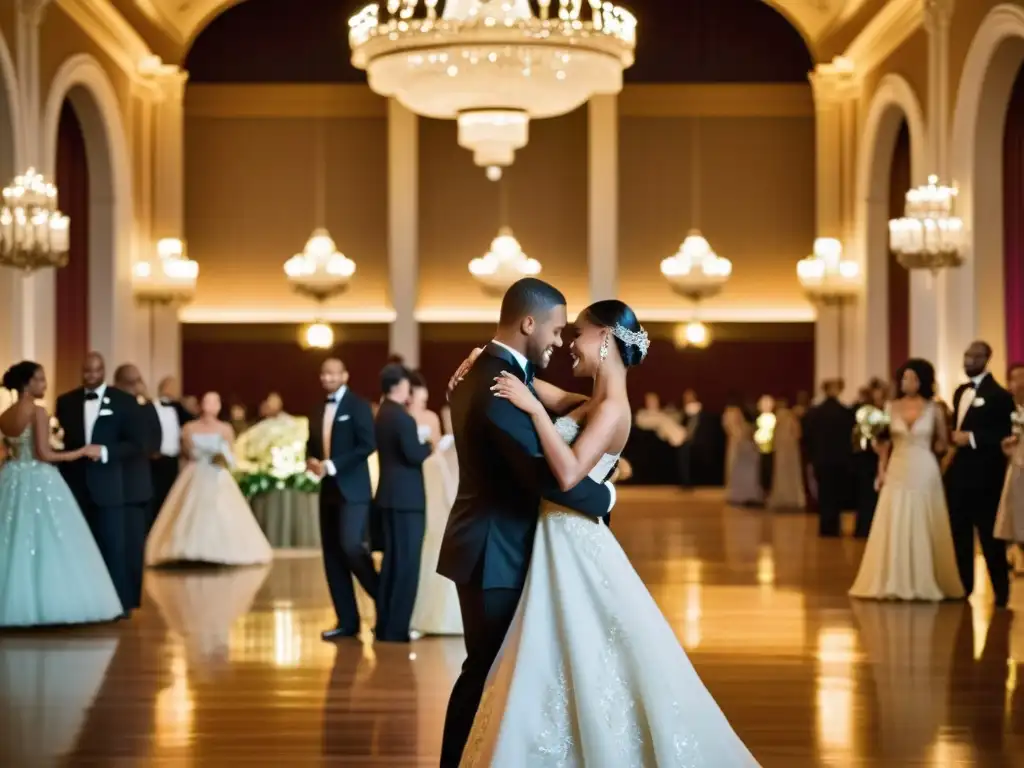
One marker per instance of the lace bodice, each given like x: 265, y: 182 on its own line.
x: 20, y: 449
x: 209, y: 448
x: 570, y: 430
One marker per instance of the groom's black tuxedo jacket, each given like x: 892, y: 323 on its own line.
x: 988, y: 418
x: 118, y: 428
x: 352, y: 442
x: 502, y: 478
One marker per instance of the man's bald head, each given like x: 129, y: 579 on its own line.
x: 94, y: 370
x: 128, y: 379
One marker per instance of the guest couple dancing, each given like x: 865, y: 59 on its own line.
x: 921, y: 544
x: 569, y: 659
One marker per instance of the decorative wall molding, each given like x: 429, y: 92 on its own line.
x: 893, y: 25
x: 750, y: 313
x: 236, y: 316
x: 346, y: 100
x: 105, y: 25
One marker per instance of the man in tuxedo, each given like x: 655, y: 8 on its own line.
x: 401, y: 502
x: 108, y: 417
x: 865, y: 463
x: 340, y: 442
x: 138, y: 479
x: 503, y: 476
x: 982, y: 412
x: 829, y: 436
x: 172, y: 417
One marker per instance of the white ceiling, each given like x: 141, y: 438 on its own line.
x: 183, y: 19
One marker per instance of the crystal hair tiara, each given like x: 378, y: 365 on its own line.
x: 633, y: 338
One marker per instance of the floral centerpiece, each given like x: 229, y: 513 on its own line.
x: 872, y: 424
x: 271, y: 456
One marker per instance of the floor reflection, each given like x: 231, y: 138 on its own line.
x: 226, y: 666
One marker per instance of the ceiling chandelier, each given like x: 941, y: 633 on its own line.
x: 505, y: 263
x: 492, y: 65
x: 693, y: 334
x: 928, y: 236
x: 33, y: 232
x: 826, y: 276
x: 168, y: 278
x: 696, y: 271
x: 320, y: 271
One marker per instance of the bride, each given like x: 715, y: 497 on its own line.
x: 590, y: 672
x: 909, y: 554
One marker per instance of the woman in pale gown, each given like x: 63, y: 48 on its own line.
x: 744, y: 488
x: 590, y: 672
x: 1010, y: 519
x: 909, y: 553
x: 787, y: 468
x: 206, y: 519
x: 436, y: 611
x: 733, y: 426
x: 51, y: 571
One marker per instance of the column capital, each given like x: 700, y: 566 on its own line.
x: 834, y: 82
x: 32, y: 10
x: 169, y: 80
x: 937, y: 15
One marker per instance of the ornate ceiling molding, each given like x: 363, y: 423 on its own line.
x: 888, y: 30
x: 102, y: 22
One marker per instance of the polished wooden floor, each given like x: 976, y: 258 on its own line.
x: 226, y: 667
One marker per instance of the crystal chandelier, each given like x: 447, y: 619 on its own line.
x: 696, y: 271
x: 503, y: 264
x: 492, y: 65
x: 928, y: 236
x: 826, y: 276
x: 33, y: 232
x: 320, y: 271
x: 170, y: 277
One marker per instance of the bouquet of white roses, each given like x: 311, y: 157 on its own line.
x: 872, y: 424
x: 272, y: 456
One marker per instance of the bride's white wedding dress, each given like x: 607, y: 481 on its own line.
x: 590, y: 673
x: 909, y: 554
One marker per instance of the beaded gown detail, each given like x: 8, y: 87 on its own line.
x: 51, y: 571
x: 590, y: 672
x: 206, y: 519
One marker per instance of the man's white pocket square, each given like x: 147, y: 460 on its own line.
x: 106, y: 412
x: 344, y: 417
x: 977, y: 402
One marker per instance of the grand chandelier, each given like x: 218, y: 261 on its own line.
x: 696, y: 271
x: 33, y: 232
x: 929, y: 236
x: 826, y: 276
x: 492, y: 65
x: 503, y: 265
x: 320, y: 271
x: 168, y: 278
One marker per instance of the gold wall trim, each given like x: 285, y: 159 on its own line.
x: 292, y: 100
x: 339, y: 101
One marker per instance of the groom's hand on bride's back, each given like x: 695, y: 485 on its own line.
x: 463, y: 369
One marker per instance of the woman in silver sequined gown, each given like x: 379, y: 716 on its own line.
x: 51, y: 571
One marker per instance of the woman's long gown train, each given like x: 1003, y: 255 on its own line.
x: 206, y: 519
x: 51, y: 571
x: 590, y: 673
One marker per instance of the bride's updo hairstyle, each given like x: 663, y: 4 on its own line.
x: 630, y: 337
x: 18, y: 376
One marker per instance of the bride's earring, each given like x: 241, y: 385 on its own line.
x: 604, y: 349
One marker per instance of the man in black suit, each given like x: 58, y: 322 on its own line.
x: 502, y: 478
x: 172, y: 417
x: 340, y: 442
x: 829, y: 437
x: 138, y: 479
x: 982, y: 412
x: 401, y: 502
x: 865, y: 463
x: 108, y: 417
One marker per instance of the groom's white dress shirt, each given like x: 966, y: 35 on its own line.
x: 966, y: 400
x: 330, y: 409
x: 93, y: 407
x: 523, y: 362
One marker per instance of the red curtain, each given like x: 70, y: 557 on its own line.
x: 1013, y: 222
x: 72, y: 290
x: 899, y: 278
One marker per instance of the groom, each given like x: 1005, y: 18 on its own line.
x: 503, y: 477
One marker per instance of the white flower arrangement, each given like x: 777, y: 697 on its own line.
x: 872, y: 423
x: 272, y: 456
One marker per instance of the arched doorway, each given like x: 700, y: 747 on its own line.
x: 82, y: 86
x: 976, y: 307
x: 887, y: 167
x: 1013, y: 223
x: 10, y: 150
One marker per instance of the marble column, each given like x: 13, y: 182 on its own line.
x: 167, y: 151
x: 603, y: 191
x: 403, y: 230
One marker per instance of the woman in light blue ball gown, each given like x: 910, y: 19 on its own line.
x: 51, y: 571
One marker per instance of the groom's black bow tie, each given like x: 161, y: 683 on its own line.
x: 91, y: 396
